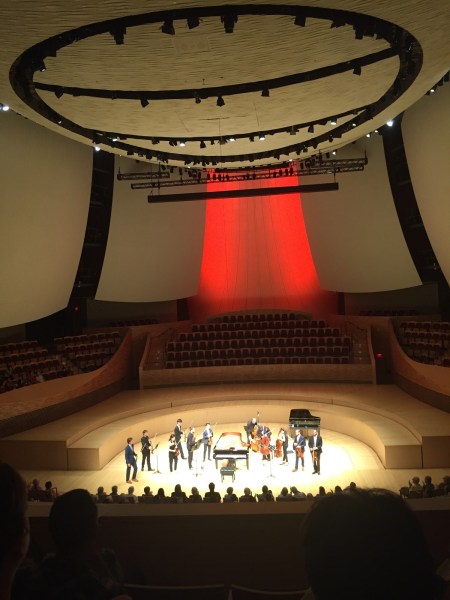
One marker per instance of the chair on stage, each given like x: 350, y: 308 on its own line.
x: 162, y: 592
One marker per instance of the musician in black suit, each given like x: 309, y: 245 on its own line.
x: 284, y: 437
x: 173, y: 453
x: 190, y: 443
x: 315, y: 447
x: 249, y: 428
x: 207, y: 441
x: 299, y: 446
x: 146, y: 448
x: 178, y: 432
x: 130, y: 460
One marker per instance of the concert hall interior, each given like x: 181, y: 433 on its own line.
x: 223, y: 212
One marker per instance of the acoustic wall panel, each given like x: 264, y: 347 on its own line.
x: 44, y: 203
x: 426, y: 136
x: 154, y: 251
x: 355, y: 236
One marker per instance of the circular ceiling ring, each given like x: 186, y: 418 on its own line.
x: 401, y: 44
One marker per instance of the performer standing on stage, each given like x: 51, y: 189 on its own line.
x: 130, y: 459
x: 315, y: 446
x: 250, y: 427
x: 283, y: 436
x: 207, y: 441
x: 146, y: 448
x: 299, y: 449
x: 178, y: 432
x: 173, y: 453
x: 190, y: 443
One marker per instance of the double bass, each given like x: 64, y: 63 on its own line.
x: 265, y: 443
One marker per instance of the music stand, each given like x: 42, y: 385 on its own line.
x: 270, y: 463
x: 155, y: 452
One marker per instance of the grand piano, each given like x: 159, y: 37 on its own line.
x: 301, y: 418
x: 230, y: 446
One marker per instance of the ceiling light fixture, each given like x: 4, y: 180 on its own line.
x: 202, y: 144
x: 390, y: 123
x: 262, y: 137
x: 265, y: 93
x: 182, y: 143
x: 118, y: 35
x: 311, y: 129
x: 300, y: 20
x: 59, y: 92
x: 4, y: 107
x: 220, y: 101
x: 193, y: 22
x: 167, y: 27
x: 333, y: 121
x: 228, y: 22
x: 144, y: 102
x: 197, y: 98
x: 357, y: 70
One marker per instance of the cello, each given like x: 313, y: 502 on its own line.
x: 256, y: 440
x: 265, y: 442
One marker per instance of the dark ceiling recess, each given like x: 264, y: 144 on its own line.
x: 399, y: 41
x: 97, y: 228
x: 408, y: 212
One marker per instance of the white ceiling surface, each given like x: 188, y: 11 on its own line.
x: 259, y: 48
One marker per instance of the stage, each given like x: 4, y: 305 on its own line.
x: 373, y: 435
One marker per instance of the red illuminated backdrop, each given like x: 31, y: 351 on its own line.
x: 256, y: 256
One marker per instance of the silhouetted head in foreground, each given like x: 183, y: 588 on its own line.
x: 73, y: 520
x: 366, y: 544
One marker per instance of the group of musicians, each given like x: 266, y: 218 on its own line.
x: 258, y: 438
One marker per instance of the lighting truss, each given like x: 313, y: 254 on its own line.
x: 308, y: 167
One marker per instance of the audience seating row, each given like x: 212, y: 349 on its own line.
x: 23, y: 357
x: 218, y: 344
x: 262, y: 326
x: 291, y: 316
x: 133, y: 322
x: 17, y: 347
x: 264, y: 360
x: 259, y: 352
x: 76, y: 340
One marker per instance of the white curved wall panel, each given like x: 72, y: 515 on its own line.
x: 44, y: 203
x: 355, y: 236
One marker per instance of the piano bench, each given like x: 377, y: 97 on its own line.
x: 227, y: 472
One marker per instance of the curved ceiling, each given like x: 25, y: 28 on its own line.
x: 311, y: 76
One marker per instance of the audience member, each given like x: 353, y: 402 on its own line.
x: 248, y: 496
x: 114, y: 495
x: 14, y: 527
x: 337, y: 489
x: 178, y: 496
x: 212, y: 495
x: 147, y: 497
x: 322, y: 493
x: 34, y: 490
x: 296, y: 494
x: 101, y: 496
x: 266, y: 495
x: 428, y: 487
x: 195, y: 497
x: 161, y: 497
x: 230, y: 496
x: 131, y: 497
x: 366, y: 544
x: 284, y: 495
x: 78, y: 570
